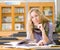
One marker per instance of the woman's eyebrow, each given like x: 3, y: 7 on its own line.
x: 36, y: 15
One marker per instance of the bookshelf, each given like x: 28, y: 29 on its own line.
x: 12, y: 18
x: 19, y: 18
x: 6, y: 19
x: 47, y: 8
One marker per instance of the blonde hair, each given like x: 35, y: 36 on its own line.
x: 29, y: 21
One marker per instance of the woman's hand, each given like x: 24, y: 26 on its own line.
x: 40, y: 27
x: 44, y: 36
x: 40, y: 43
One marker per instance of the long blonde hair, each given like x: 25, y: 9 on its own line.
x: 29, y: 25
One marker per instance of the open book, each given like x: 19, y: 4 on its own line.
x: 26, y: 42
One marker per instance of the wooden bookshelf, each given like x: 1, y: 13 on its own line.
x: 49, y: 6
x: 18, y: 15
x: 12, y: 19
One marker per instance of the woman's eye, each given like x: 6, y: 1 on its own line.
x: 36, y: 16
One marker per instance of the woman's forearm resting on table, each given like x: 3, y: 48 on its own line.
x: 44, y: 37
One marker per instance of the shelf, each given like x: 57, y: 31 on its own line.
x: 19, y: 14
x: 35, y: 7
x: 19, y: 19
x: 19, y: 9
x: 6, y: 9
x: 6, y: 22
x: 5, y: 13
x: 12, y: 15
x: 6, y: 19
x: 19, y: 22
x: 47, y: 11
x: 19, y: 26
x: 6, y: 26
x: 47, y: 8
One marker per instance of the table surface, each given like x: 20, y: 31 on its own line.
x: 26, y: 47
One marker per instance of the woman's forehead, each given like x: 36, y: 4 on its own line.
x: 34, y: 13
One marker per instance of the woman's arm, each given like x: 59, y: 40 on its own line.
x: 44, y: 36
x: 50, y: 33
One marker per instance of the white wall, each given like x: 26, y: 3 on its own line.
x: 31, y: 0
x: 40, y: 0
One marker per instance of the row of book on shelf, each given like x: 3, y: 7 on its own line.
x: 47, y: 11
x: 17, y: 10
x: 9, y: 19
x: 8, y: 26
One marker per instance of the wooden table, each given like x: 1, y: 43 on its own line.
x: 2, y: 48
x: 53, y: 48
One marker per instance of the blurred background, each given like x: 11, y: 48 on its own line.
x: 13, y: 17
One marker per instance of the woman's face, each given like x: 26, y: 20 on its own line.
x: 35, y: 18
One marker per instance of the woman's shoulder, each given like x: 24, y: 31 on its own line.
x: 49, y: 23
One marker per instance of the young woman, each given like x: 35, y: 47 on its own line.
x: 39, y: 27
